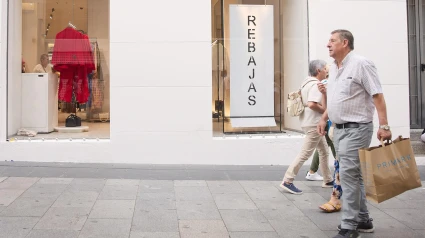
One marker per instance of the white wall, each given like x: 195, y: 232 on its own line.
x: 380, y: 34
x: 295, y: 52
x: 161, y: 93
x: 3, y: 71
x: 14, y: 67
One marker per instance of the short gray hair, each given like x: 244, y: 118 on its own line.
x: 314, y: 66
x: 345, y: 35
x: 44, y: 56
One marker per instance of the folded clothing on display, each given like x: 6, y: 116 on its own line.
x: 26, y: 132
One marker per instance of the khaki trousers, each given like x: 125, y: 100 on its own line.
x: 312, y: 141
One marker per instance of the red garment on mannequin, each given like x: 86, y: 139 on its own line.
x: 73, y: 58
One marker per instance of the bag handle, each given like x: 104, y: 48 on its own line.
x: 388, y: 141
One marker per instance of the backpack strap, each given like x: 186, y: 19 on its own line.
x: 309, y: 81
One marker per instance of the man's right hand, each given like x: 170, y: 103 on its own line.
x: 321, y: 127
x: 322, y: 88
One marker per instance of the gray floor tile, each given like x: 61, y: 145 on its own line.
x: 106, y: 228
x: 269, y: 193
x: 376, y: 213
x: 52, y: 234
x: 113, y: 209
x: 306, y: 200
x: 205, y: 235
x: 122, y: 182
x: 234, y: 201
x: 391, y: 203
x: 64, y: 218
x: 245, y: 220
x: 297, y: 227
x: 2, y: 179
x: 417, y: 204
x: 197, y: 210
x: 283, y: 204
x: 18, y: 183
x: 45, y: 190
x: 75, y: 198
x: 413, y: 218
x: 156, y: 186
x: 158, y: 204
x: 282, y: 214
x: 207, y: 175
x: 193, y: 194
x: 225, y: 187
x: 155, y: 221
x: 117, y: 192
x: 420, y: 233
x: 202, y: 226
x: 2, y: 208
x: 325, y: 221
x: 190, y: 183
x: 391, y: 228
x: 246, y: 184
x: 16, y: 227
x: 134, y: 234
x: 7, y: 196
x: 157, y: 196
x: 268, y: 234
x: 84, y: 184
x: 55, y: 181
x: 411, y: 195
x: 28, y: 207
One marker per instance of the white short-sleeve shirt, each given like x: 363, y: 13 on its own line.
x: 310, y: 93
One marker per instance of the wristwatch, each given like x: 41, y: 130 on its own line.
x: 385, y: 127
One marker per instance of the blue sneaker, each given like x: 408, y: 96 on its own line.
x: 290, y: 187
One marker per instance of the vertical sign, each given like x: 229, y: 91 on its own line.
x: 251, y: 66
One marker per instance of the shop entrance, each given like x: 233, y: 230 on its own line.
x: 416, y: 31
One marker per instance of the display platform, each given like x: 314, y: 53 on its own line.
x: 77, y: 129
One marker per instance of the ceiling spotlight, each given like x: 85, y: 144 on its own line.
x: 51, y: 16
x: 53, y: 9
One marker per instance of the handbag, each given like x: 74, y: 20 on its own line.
x: 72, y: 121
x: 389, y: 170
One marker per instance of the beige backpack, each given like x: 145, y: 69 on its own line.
x: 295, y: 104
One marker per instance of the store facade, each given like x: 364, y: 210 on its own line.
x: 166, y: 75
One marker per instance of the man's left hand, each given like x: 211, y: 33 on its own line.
x: 384, y: 134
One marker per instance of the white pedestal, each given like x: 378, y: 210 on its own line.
x: 77, y: 129
x: 39, y: 102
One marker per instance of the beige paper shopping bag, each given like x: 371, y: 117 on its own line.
x: 389, y: 170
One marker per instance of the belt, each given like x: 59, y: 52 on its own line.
x: 347, y: 125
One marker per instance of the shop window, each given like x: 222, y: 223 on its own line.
x: 259, y: 54
x: 63, y: 88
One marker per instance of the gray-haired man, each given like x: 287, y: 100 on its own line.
x: 354, y: 91
x: 315, y: 106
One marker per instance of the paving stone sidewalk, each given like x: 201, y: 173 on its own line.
x: 49, y: 207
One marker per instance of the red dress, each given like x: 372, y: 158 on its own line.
x: 73, y: 58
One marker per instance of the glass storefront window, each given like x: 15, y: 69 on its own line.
x: 64, y: 83
x: 258, y: 47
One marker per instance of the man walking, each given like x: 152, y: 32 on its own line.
x: 354, y: 90
x: 315, y: 106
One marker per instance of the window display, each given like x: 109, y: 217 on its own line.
x: 65, y: 51
x: 257, y: 47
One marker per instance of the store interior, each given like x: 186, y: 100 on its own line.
x: 290, y: 63
x: 64, y: 85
